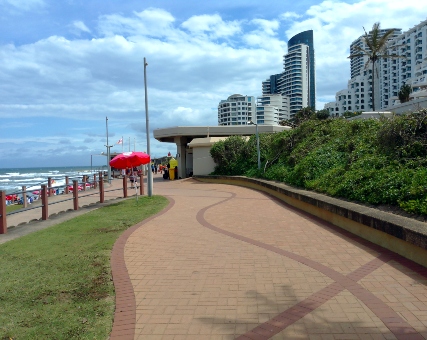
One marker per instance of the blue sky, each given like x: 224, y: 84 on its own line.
x: 67, y: 65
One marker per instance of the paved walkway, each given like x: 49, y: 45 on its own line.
x: 226, y: 262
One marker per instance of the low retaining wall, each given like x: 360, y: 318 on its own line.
x: 399, y: 234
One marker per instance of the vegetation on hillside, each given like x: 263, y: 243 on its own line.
x: 375, y: 161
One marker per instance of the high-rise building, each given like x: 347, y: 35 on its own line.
x: 298, y: 80
x: 306, y: 38
x: 271, y: 109
x: 408, y: 67
x: 236, y: 110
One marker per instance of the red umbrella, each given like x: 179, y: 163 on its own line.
x: 129, y: 160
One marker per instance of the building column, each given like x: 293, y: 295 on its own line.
x: 181, y: 156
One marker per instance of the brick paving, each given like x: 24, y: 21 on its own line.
x: 226, y: 262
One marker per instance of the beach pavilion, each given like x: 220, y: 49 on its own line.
x: 193, y: 143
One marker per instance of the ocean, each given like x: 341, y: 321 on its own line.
x: 12, y: 179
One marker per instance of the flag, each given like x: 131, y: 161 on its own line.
x: 120, y: 141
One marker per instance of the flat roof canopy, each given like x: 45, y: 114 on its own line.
x: 168, y: 134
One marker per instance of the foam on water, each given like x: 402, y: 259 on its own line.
x: 12, y: 180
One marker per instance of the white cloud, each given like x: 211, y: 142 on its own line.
x: 289, y: 15
x: 269, y: 27
x: 213, y: 25
x: 80, y: 26
x: 24, y: 5
x: 152, y: 22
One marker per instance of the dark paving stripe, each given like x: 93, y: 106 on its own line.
x: 125, y: 313
x: 398, y: 326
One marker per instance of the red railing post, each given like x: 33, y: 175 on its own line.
x: 24, y: 196
x: 76, y: 194
x: 45, y: 203
x: 141, y: 184
x: 49, y: 185
x: 3, y: 222
x: 66, y: 184
x: 101, y: 188
x: 125, y: 186
x: 94, y: 182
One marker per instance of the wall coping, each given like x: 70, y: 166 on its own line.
x: 403, y: 228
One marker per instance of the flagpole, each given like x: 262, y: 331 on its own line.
x: 147, y: 131
x: 129, y: 144
x: 122, y: 144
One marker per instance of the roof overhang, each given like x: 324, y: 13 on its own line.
x: 190, y: 132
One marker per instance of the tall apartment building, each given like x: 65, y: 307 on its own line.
x: 271, y: 109
x: 410, y: 69
x: 390, y: 73
x: 297, y: 81
x: 236, y: 110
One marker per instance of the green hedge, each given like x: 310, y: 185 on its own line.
x: 376, y: 161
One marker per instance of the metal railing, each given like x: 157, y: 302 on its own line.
x: 78, y: 191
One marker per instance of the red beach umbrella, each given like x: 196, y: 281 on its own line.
x: 129, y: 160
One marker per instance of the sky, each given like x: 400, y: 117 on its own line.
x: 66, y: 66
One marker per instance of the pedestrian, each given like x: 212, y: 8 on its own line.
x: 152, y: 168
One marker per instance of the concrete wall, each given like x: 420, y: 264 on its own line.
x: 412, y: 105
x: 203, y: 163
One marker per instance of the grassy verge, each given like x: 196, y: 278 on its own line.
x: 13, y: 207
x: 56, y: 283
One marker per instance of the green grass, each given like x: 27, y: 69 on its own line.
x: 57, y: 283
x: 13, y: 207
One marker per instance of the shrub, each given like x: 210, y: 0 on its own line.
x: 376, y: 161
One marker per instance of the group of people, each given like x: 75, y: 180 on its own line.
x: 15, y: 199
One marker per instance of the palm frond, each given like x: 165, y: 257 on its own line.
x: 355, y: 55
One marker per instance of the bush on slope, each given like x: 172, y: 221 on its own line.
x: 375, y: 161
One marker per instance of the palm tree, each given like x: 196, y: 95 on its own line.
x: 376, y: 48
x: 404, y: 93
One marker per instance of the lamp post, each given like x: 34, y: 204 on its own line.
x: 91, y: 156
x: 257, y: 143
x: 147, y: 131
x: 108, y: 152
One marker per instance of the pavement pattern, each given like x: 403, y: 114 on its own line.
x: 227, y: 262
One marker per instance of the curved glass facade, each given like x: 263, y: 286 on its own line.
x: 306, y: 38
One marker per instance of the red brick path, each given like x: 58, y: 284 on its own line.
x: 226, y: 262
